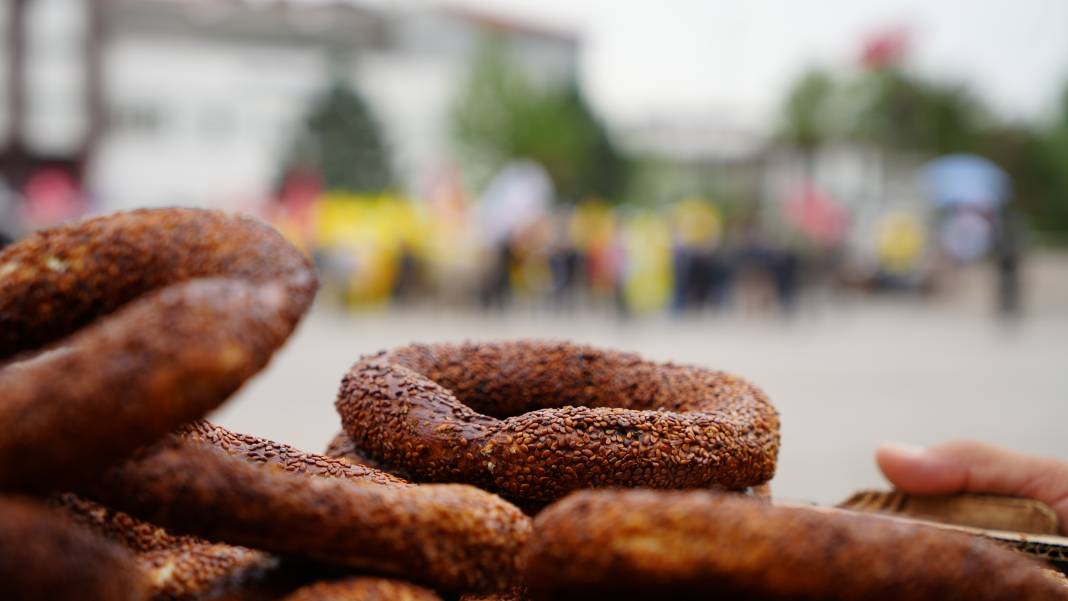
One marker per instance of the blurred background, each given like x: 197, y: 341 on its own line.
x: 863, y: 207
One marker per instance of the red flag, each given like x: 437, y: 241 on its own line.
x: 885, y: 48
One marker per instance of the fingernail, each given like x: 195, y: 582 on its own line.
x: 901, y: 449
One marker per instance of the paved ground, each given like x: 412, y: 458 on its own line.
x: 844, y: 377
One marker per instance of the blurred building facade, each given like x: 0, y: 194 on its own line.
x: 154, y: 102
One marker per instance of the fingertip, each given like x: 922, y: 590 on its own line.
x: 917, y: 470
x: 896, y: 460
x: 899, y: 449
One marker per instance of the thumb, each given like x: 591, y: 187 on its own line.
x: 968, y: 466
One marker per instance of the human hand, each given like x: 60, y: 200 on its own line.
x: 970, y: 466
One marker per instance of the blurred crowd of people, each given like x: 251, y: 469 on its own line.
x: 514, y: 244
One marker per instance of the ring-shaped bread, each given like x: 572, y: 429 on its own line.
x: 452, y: 537
x: 534, y: 421
x: 642, y: 544
x: 117, y: 329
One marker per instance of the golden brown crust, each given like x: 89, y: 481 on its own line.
x: 689, y: 545
x: 153, y: 317
x: 363, y: 588
x: 453, y: 537
x: 45, y: 557
x: 183, y: 566
x: 534, y: 421
x: 177, y: 566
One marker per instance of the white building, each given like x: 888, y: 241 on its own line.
x: 414, y: 81
x: 200, y: 99
x: 203, y: 98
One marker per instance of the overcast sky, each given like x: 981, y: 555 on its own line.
x: 734, y: 58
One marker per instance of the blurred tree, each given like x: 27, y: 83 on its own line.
x: 1036, y: 158
x: 502, y: 116
x: 901, y: 112
x: 807, y: 116
x: 1051, y: 214
x: 341, y: 141
x: 956, y: 120
x: 898, y: 112
x: 888, y: 107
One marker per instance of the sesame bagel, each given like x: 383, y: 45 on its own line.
x: 624, y: 545
x: 117, y: 329
x: 534, y: 421
x: 451, y: 537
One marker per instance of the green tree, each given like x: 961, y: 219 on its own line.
x: 897, y: 112
x: 901, y: 112
x: 807, y: 115
x: 1051, y: 210
x: 341, y: 141
x: 956, y: 120
x: 502, y: 116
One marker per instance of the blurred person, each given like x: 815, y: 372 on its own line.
x: 819, y: 226
x: 769, y: 269
x: 968, y: 466
x: 966, y: 236
x: 899, y: 250
x: 495, y: 290
x: 1008, y: 255
x: 406, y: 283
x: 647, y: 270
x: 293, y: 209
x: 702, y: 274
x: 752, y: 259
x: 360, y: 243
x: 816, y: 216
x: 593, y: 231
x: 531, y: 248
x: 51, y: 196
x: 973, y: 196
x: 786, y: 271
x: 518, y: 195
x: 452, y: 245
x: 564, y: 263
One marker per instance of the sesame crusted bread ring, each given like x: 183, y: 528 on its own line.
x: 534, y: 421
x: 46, y: 557
x: 701, y: 545
x: 452, y: 537
x: 117, y: 329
